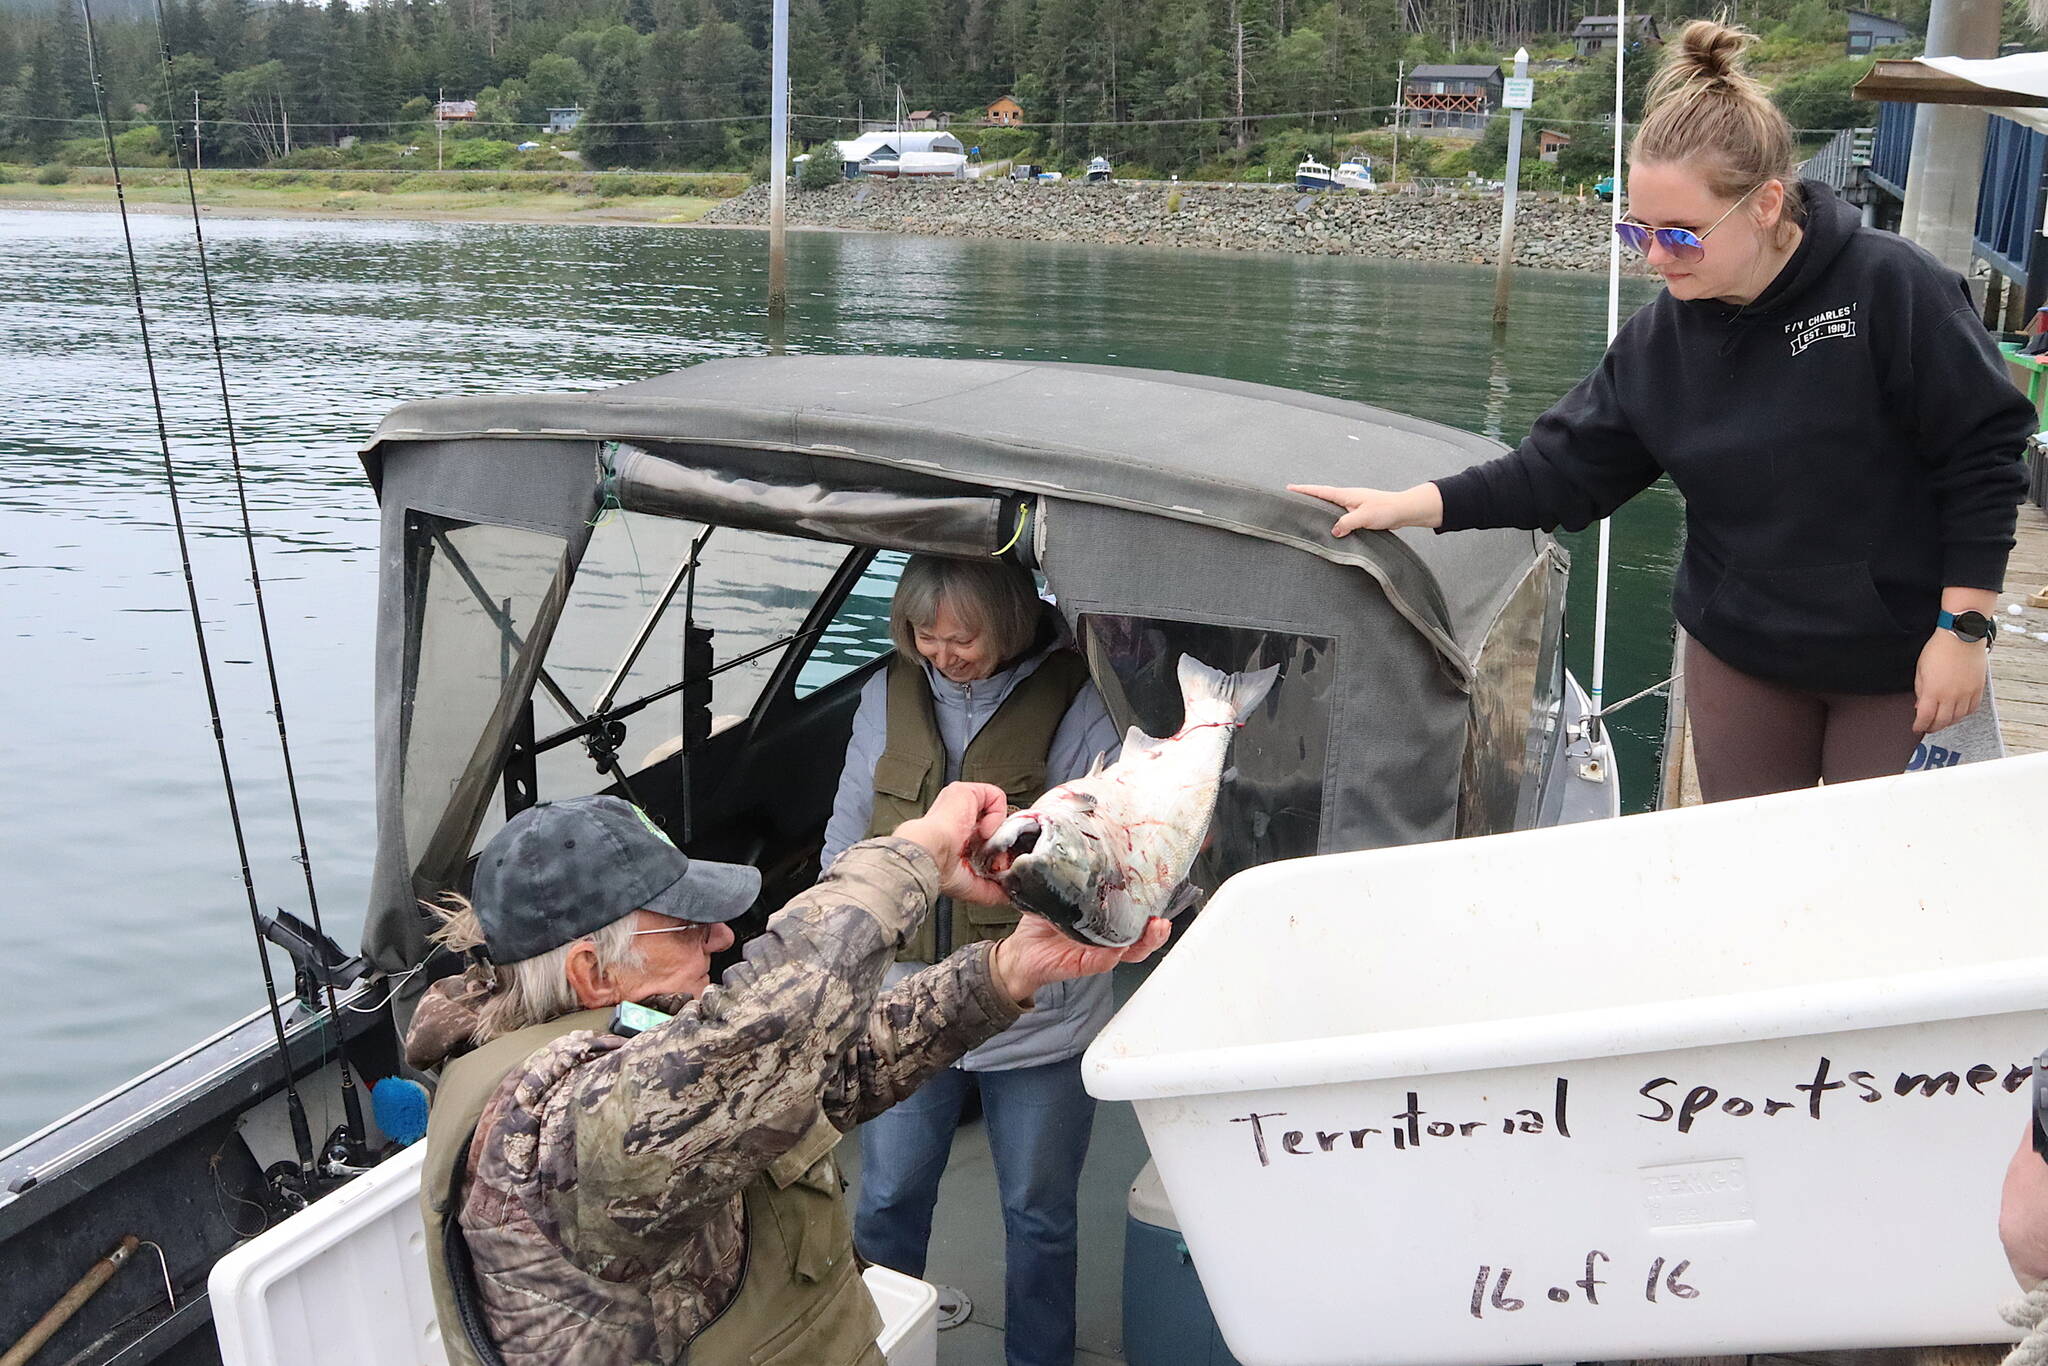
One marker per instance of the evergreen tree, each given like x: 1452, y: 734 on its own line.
x: 72, y: 68
x: 40, y: 101
x: 614, y: 99
x: 231, y: 34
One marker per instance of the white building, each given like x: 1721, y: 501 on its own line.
x: 857, y: 153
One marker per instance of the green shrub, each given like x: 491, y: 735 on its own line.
x: 7, y: 176
x: 52, y: 174
x: 821, y: 170
x: 481, y: 154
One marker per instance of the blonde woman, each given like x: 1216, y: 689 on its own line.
x: 1838, y: 421
x: 984, y: 687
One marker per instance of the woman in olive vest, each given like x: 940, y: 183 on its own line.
x: 986, y: 687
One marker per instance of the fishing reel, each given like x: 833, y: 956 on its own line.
x: 603, y: 742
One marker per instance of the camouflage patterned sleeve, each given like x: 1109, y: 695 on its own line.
x: 917, y: 1027
x: 650, y: 1141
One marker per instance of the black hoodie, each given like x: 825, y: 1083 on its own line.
x: 1848, y: 445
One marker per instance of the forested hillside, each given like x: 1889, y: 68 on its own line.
x: 1167, y: 84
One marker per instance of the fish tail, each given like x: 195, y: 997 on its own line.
x: 1237, y: 693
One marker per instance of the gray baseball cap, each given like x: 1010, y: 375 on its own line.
x: 561, y: 870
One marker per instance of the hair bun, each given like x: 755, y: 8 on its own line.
x: 1714, y: 51
x: 1707, y: 60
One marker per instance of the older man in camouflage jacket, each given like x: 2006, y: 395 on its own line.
x: 597, y: 1194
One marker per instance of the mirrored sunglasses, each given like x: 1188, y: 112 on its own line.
x: 1681, y: 244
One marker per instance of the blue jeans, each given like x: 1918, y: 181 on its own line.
x: 1039, y: 1121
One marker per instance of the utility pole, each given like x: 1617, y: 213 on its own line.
x: 1241, y: 136
x: 778, y: 178
x: 1516, y: 97
x: 197, y: 155
x: 1400, y: 88
x: 286, y: 111
x: 440, y: 98
x: 1947, y: 166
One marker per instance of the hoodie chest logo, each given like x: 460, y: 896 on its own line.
x: 1836, y: 322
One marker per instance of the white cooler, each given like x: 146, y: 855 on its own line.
x: 344, y: 1282
x: 1730, y: 1080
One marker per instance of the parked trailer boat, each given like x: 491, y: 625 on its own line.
x: 553, y: 621
x: 1313, y: 175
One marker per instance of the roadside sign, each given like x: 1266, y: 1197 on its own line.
x: 1517, y: 92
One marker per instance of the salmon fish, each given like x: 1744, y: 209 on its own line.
x: 1101, y: 855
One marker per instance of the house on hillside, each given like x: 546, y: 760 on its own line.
x: 1004, y: 113
x: 1451, y: 100
x: 928, y: 120
x: 1595, y: 33
x: 1549, y: 142
x: 564, y: 120
x: 455, y: 111
x: 1869, y: 32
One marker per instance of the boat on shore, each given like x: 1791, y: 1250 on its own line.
x: 1311, y: 174
x: 1354, y: 175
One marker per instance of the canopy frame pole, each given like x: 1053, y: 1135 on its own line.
x: 1606, y: 558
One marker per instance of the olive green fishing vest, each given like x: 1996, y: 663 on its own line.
x: 1009, y: 751
x: 800, y: 1302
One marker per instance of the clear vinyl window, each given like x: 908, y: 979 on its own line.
x: 473, y: 593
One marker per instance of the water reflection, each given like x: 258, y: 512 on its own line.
x: 119, y: 869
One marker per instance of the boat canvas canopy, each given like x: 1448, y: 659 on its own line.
x: 1153, y: 503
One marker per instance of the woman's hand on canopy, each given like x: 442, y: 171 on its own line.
x: 959, y: 822
x: 1377, y: 509
x: 1036, y: 954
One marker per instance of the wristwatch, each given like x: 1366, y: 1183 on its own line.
x: 1970, y: 626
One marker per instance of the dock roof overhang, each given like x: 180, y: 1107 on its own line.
x: 2014, y: 87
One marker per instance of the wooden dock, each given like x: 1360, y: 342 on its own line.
x: 2019, y: 662
x: 2019, y: 666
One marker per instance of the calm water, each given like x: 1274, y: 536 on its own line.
x: 125, y: 929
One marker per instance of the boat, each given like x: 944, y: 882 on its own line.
x: 679, y: 587
x: 1355, y: 175
x: 1313, y: 175
x: 1098, y: 170
x: 917, y: 166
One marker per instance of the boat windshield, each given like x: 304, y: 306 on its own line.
x: 621, y: 650
x: 1271, y: 803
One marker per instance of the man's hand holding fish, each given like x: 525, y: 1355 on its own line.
x: 1038, y: 953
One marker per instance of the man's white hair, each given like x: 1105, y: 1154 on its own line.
x: 533, y: 990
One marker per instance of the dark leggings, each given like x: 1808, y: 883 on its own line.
x: 1750, y: 737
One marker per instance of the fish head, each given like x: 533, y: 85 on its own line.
x: 1051, y: 862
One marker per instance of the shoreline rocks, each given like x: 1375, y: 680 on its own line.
x: 1553, y: 232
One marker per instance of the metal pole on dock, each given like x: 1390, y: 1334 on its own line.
x: 1400, y: 84
x: 778, y: 179
x: 1516, y: 97
x: 1947, y: 164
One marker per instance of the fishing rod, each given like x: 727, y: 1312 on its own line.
x: 302, y: 1136
x: 345, y: 1145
